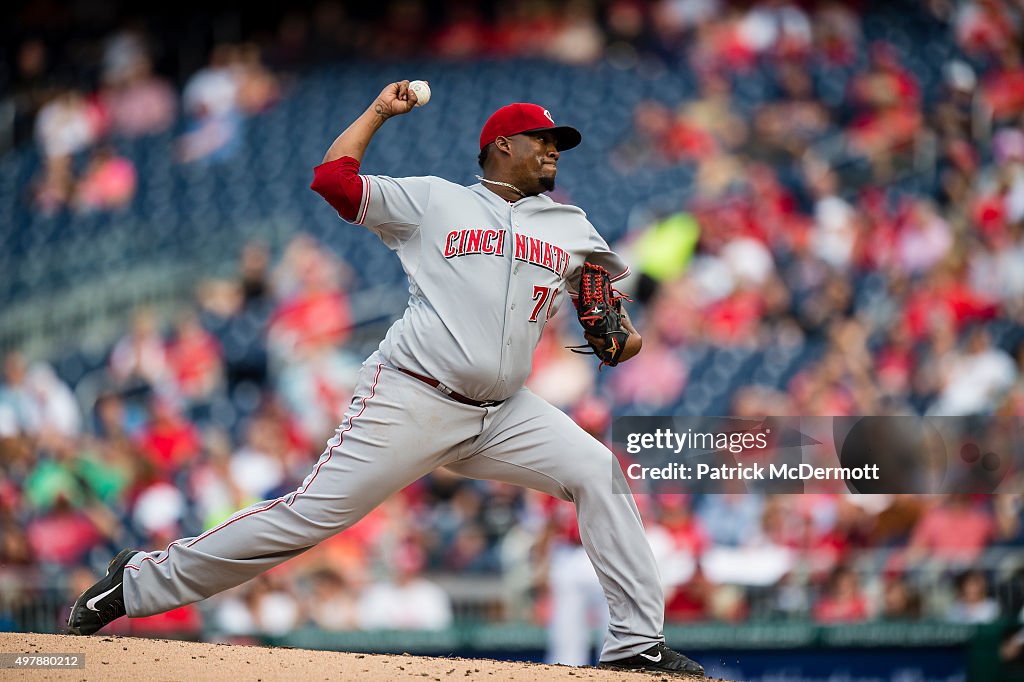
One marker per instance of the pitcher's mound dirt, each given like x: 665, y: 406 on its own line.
x: 135, y: 660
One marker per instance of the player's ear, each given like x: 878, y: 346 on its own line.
x: 503, y: 143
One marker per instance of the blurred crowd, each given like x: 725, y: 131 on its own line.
x: 77, y: 122
x: 802, y: 227
x: 800, y: 232
x: 230, y: 402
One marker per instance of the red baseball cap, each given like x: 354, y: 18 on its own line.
x: 522, y: 117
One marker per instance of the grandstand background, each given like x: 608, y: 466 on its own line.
x: 823, y: 203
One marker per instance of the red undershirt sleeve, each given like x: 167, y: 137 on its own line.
x: 338, y: 182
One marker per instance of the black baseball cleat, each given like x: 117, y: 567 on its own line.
x: 658, y: 659
x: 104, y: 601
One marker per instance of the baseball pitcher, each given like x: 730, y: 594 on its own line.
x: 488, y: 265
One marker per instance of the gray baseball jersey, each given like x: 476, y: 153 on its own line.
x: 485, y: 275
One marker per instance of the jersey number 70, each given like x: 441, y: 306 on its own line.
x: 543, y: 295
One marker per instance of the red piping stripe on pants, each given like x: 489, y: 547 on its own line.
x: 273, y: 504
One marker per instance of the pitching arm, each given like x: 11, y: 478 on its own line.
x: 394, y: 100
x: 337, y: 179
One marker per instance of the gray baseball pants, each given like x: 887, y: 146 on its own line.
x: 398, y: 429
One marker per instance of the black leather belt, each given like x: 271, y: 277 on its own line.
x: 457, y: 397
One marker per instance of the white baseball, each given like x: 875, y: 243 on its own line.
x: 422, y: 91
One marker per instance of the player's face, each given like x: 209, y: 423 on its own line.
x: 536, y: 159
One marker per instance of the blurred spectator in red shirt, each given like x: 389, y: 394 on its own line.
x: 62, y: 535
x: 168, y: 440
x: 707, y: 123
x: 306, y: 333
x: 843, y: 600
x: 313, y: 311
x: 734, y: 319
x: 689, y: 601
x: 676, y: 516
x: 195, y: 360
x: 725, y: 44
x: 944, y: 297
x: 523, y: 29
x: 185, y: 622
x: 988, y: 213
x: 888, y: 98
x: 108, y: 182
x: 678, y: 540
x: 1003, y: 88
x: 955, y: 529
x: 138, y: 102
x: 463, y: 35
x: 984, y: 27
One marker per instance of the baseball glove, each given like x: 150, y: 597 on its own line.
x: 599, y: 309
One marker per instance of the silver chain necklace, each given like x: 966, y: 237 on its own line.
x: 503, y: 184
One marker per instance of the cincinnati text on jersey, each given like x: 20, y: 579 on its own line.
x: 492, y: 242
x: 465, y: 242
